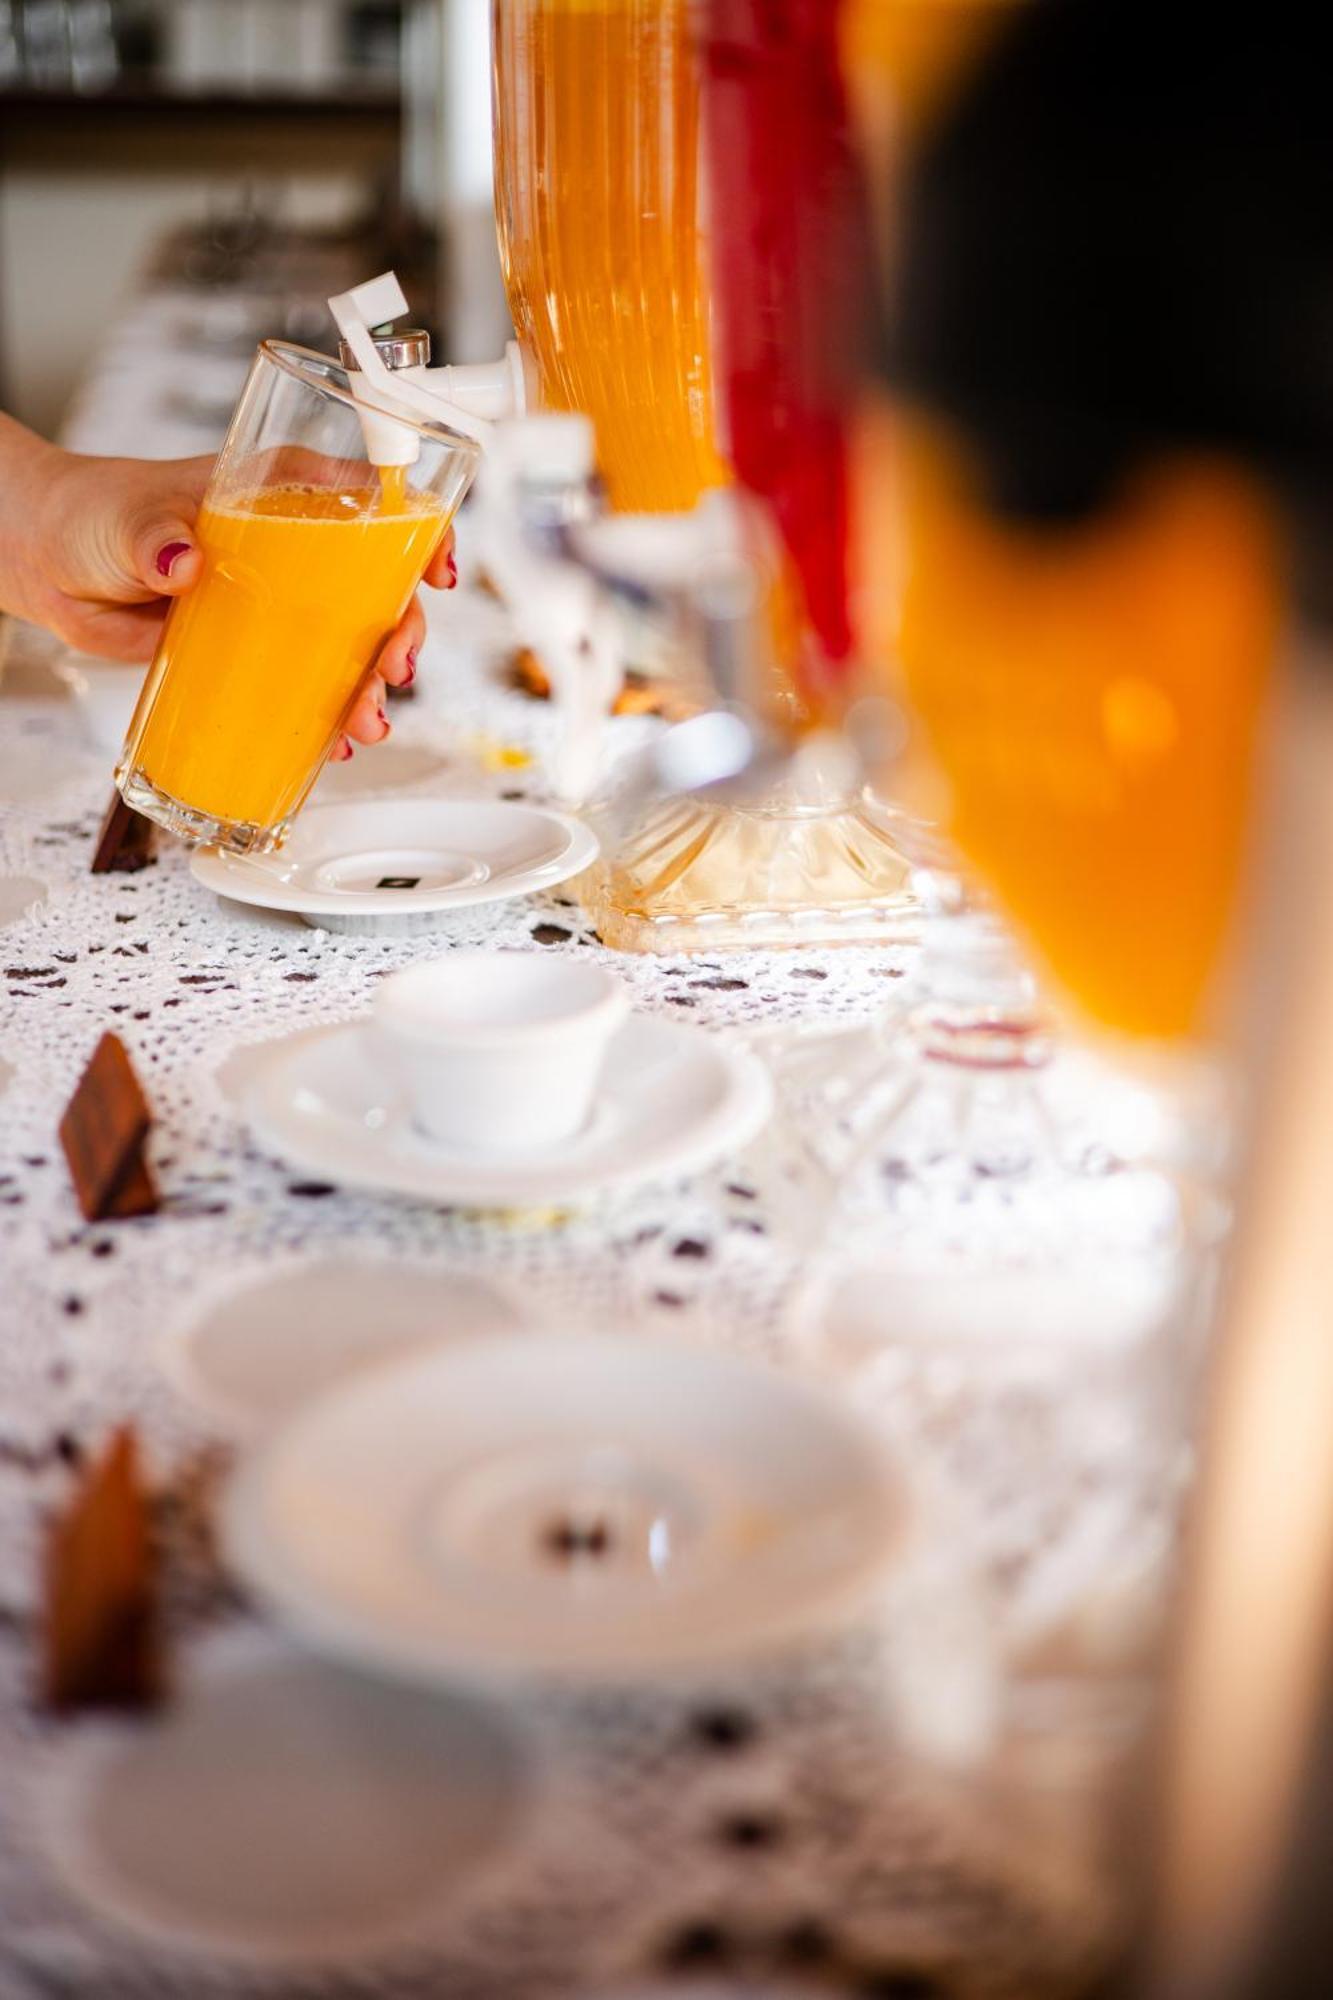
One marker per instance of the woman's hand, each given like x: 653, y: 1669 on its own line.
x: 96, y: 548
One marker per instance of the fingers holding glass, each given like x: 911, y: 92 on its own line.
x: 397, y: 663
x: 366, y: 720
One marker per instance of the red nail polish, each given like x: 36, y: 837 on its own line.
x: 342, y: 750
x: 383, y: 718
x: 453, y: 571
x: 169, y: 555
x: 410, y: 675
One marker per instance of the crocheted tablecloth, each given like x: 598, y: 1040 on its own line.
x: 816, y: 1824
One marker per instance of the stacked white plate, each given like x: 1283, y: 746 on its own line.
x: 600, y: 1508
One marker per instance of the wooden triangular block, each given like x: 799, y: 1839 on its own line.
x: 124, y: 840
x: 100, y: 1638
x: 103, y: 1132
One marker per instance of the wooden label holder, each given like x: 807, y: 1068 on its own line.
x: 103, y: 1133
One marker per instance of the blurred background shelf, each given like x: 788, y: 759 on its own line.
x: 286, y: 146
x: 135, y: 100
x: 91, y: 45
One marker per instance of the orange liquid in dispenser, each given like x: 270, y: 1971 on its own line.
x: 1094, y: 696
x: 598, y: 205
x: 258, y: 664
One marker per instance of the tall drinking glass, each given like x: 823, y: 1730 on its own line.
x: 311, y: 555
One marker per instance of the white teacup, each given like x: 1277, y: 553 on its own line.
x: 498, y: 1051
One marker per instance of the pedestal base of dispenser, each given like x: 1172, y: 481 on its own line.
x: 693, y: 876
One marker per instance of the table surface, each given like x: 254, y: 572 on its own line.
x: 772, y: 1822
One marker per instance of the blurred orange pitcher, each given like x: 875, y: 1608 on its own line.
x: 1093, y: 693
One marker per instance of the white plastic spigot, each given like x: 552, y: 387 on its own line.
x: 536, y: 474
x: 487, y: 390
x: 468, y: 399
x: 549, y: 447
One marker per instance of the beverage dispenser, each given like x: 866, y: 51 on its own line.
x: 617, y: 260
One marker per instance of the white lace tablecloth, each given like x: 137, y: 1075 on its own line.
x: 770, y: 1824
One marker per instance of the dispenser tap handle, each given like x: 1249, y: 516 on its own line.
x: 388, y: 392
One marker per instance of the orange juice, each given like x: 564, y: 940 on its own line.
x: 1094, y: 695
x: 598, y: 209
x: 393, y: 489
x: 259, y: 662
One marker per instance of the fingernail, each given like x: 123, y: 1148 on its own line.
x: 384, y: 720
x: 453, y: 571
x: 410, y: 675
x: 169, y: 555
x: 342, y: 750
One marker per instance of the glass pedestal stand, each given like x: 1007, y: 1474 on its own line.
x: 961, y: 1081
x: 797, y: 867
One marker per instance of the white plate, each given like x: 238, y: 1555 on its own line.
x: 20, y: 895
x: 106, y: 694
x: 251, y: 1355
x: 339, y: 862
x: 420, y: 1520
x: 281, y: 1809
x: 388, y: 768
x: 672, y: 1100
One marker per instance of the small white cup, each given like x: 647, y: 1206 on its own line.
x: 498, y: 1051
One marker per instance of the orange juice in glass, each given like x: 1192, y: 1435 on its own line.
x: 599, y: 211
x: 311, y: 554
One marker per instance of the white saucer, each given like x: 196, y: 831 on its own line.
x: 360, y: 865
x: 281, y: 1809
x: 672, y: 1100
x: 419, y: 1521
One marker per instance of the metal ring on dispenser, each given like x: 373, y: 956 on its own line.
x: 408, y: 348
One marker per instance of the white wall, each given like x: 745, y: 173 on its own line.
x: 70, y: 247
x: 78, y: 223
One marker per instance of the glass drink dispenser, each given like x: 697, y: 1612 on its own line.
x: 641, y: 298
